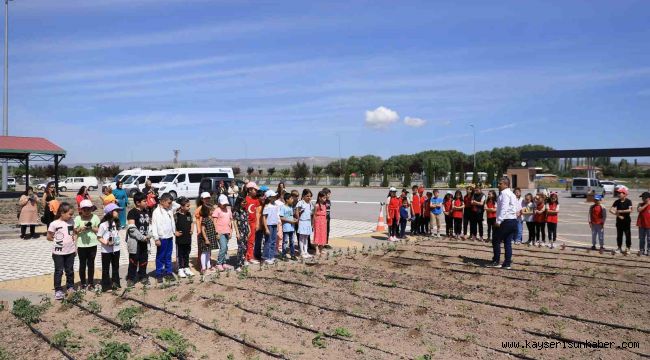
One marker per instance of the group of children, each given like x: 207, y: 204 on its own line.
x: 257, y: 219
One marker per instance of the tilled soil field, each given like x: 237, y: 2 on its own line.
x: 413, y: 300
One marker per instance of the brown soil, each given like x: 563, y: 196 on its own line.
x: 20, y: 343
x: 432, y: 298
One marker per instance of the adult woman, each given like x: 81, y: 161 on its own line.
x: 281, y: 190
x: 28, y: 213
x: 221, y: 189
x: 48, y: 195
x: 82, y: 195
x: 233, y: 192
x: 122, y: 199
x: 108, y: 197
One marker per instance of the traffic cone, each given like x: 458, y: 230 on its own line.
x: 381, y: 225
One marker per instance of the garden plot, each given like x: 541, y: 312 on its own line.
x: 418, y: 300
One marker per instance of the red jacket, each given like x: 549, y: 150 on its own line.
x: 416, y: 205
x: 540, y: 218
x: 393, y: 210
x: 458, y: 214
x: 551, y: 218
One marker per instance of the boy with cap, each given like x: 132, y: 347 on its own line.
x: 270, y: 220
x: 597, y: 217
x: 222, y: 217
x: 643, y: 222
x: 622, y: 209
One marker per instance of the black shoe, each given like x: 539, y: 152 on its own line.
x: 170, y: 277
x: 33, y: 236
x: 145, y: 281
x: 284, y: 258
x: 159, y: 280
x: 493, y: 265
x: 130, y: 283
x: 23, y: 236
x: 294, y: 258
x: 507, y: 267
x: 593, y: 247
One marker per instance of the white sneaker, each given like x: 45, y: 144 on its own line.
x: 269, y: 262
x: 188, y: 272
x: 181, y: 273
x: 617, y: 251
x: 552, y: 246
x: 254, y: 261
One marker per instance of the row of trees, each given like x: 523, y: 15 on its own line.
x: 100, y: 171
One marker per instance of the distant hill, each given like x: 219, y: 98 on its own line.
x: 243, y: 164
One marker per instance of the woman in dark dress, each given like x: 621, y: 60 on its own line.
x: 48, y: 195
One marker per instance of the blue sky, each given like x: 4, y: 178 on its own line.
x: 133, y: 79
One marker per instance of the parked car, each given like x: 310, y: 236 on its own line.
x: 11, y: 181
x: 135, y: 183
x: 75, y: 183
x: 185, y: 181
x: 608, y: 186
x: 543, y: 190
x: 210, y: 184
x: 122, y: 176
x: 582, y: 187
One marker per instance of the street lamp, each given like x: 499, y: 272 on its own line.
x: 340, y: 160
x: 474, y: 134
x: 5, y: 98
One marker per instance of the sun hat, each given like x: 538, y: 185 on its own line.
x: 392, y: 189
x: 645, y: 195
x: 223, y: 199
x: 252, y: 184
x: 264, y: 188
x: 87, y: 204
x: 270, y: 193
x: 598, y: 197
x: 111, y: 207
x: 205, y: 194
x: 622, y: 190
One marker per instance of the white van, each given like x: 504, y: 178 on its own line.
x: 582, y: 187
x: 135, y: 183
x: 75, y: 183
x: 186, y: 181
x: 122, y: 176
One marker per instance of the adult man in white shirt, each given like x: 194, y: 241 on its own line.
x: 508, y: 208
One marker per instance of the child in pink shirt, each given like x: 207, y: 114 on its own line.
x: 222, y: 217
x: 60, y: 232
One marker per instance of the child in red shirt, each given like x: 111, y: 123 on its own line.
x: 540, y: 219
x: 449, y: 220
x: 643, y: 222
x: 457, y: 213
x: 426, y: 213
x: 597, y: 216
x: 491, y: 210
x: 552, y: 209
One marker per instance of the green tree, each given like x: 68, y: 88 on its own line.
x: 475, y: 178
x: 300, y: 171
x: 407, y: 179
x: 79, y: 171
x: 250, y: 171
x: 384, y: 180
x: 236, y: 170
x: 346, y: 179
x: 285, y: 172
x: 316, y: 170
x: 452, y: 179
x: 270, y: 171
x: 428, y: 171
x: 490, y: 175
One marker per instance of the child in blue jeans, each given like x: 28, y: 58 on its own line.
x: 403, y: 217
x: 288, y: 227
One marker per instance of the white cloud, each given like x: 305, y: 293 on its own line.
x: 503, y: 127
x: 414, y: 122
x: 381, y: 117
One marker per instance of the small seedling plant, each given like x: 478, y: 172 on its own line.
x: 178, y: 346
x: 29, y: 313
x: 128, y: 317
x: 67, y: 340
x: 112, y: 351
x: 343, y: 332
x: 319, y: 341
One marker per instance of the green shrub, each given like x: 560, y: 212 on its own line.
x: 112, y: 351
x: 128, y: 317
x: 177, y: 345
x: 29, y: 313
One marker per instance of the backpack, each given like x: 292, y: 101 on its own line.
x: 151, y: 200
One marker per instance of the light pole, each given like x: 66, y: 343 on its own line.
x: 474, y: 134
x: 5, y: 98
x: 340, y: 160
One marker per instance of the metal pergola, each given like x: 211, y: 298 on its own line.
x: 23, y: 150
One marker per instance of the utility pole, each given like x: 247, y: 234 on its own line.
x: 5, y: 98
x: 340, y: 159
x: 176, y: 152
